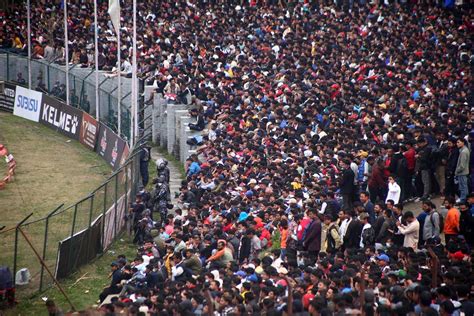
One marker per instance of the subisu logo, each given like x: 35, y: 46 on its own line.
x: 62, y: 120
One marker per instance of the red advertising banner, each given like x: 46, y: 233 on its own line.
x: 89, y: 131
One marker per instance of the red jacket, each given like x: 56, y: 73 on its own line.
x: 410, y: 157
x: 376, y: 179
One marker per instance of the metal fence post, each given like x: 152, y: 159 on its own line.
x: 46, y: 241
x: 125, y: 168
x: 74, y: 220
x: 8, y: 66
x: 91, y: 208
x: 15, y: 254
x: 115, y: 206
x: 132, y: 178
x: 48, y: 75
x: 103, y: 215
x: 72, y: 232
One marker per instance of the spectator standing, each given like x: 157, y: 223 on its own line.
x: 431, y: 227
x: 376, y: 182
x: 462, y: 169
x: 410, y: 156
x: 353, y: 232
x: 451, y: 223
x: 466, y: 223
x: 368, y: 205
x: 283, y: 237
x: 424, y: 166
x: 367, y: 236
x: 312, y: 239
x: 331, y: 240
x: 450, y: 170
x: 394, y: 190
x: 410, y: 230
x: 346, y: 185
x: 440, y: 160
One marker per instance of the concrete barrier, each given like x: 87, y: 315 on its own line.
x: 170, y: 128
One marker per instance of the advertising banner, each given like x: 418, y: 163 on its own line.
x: 109, y: 146
x: 77, y: 251
x: 114, y: 221
x: 66, y: 119
x: 7, y: 98
x: 89, y: 131
x: 27, y: 103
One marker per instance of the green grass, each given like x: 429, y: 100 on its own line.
x: 51, y: 170
x: 83, y: 287
x: 85, y: 292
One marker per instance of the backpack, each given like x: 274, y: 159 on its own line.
x: 333, y: 244
x: 441, y: 221
x: 368, y: 237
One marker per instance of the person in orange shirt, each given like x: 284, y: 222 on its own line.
x: 283, y: 237
x: 451, y: 223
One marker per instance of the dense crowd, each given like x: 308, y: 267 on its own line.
x: 319, y: 123
x: 321, y: 120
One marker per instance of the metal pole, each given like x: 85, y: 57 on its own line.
x: 125, y: 168
x: 134, y: 109
x: 45, y: 242
x: 119, y: 84
x: 96, y: 36
x: 15, y: 254
x: 28, y: 9
x: 90, y: 212
x: 46, y: 267
x: 115, y: 206
x: 66, y: 51
x: 103, y: 216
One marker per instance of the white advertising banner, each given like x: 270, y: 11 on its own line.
x: 27, y: 103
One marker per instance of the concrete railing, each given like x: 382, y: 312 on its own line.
x: 170, y: 127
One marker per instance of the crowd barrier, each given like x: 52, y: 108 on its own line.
x: 69, y: 237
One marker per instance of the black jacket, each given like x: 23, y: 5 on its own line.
x: 346, y: 185
x: 424, y: 158
x: 312, y: 239
x: 352, y: 236
x: 452, y: 161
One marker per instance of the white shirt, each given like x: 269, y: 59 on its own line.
x: 393, y: 192
x: 176, y: 272
x: 126, y: 67
x: 342, y: 230
x: 323, y: 208
x: 355, y: 169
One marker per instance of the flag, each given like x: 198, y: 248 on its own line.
x: 114, y: 12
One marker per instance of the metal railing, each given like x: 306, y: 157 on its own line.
x: 105, y: 206
x: 50, y: 77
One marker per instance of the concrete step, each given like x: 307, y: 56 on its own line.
x: 175, y: 176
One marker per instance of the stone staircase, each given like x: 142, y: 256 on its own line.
x: 175, y: 175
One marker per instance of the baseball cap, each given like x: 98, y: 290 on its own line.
x: 383, y: 257
x: 458, y: 255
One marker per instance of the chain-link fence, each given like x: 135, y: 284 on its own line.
x: 104, y: 210
x: 50, y: 78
